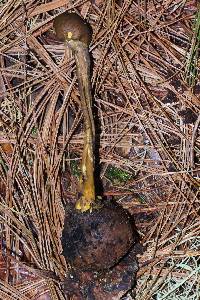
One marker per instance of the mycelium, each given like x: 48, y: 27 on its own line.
x: 94, y: 237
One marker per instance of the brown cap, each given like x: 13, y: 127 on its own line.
x: 70, y: 26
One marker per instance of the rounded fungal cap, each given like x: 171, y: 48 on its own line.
x: 70, y: 26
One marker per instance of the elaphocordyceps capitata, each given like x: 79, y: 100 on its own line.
x: 94, y: 237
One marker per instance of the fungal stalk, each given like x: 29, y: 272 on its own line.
x: 72, y: 29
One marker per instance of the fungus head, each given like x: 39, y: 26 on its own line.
x: 71, y: 27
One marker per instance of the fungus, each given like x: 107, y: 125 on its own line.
x: 97, y: 240
x: 94, y: 237
x: 72, y: 29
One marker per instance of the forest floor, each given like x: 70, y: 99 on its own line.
x: 146, y: 92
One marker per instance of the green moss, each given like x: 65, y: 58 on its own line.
x: 117, y: 175
x: 34, y: 131
x: 75, y: 168
x: 142, y: 199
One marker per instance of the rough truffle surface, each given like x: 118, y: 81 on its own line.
x: 97, y: 240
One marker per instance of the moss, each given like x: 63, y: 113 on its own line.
x: 75, y: 168
x: 117, y: 175
x: 142, y: 198
x: 34, y: 131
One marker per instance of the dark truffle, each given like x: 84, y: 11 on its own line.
x: 97, y: 240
